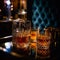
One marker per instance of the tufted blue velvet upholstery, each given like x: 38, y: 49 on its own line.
x: 43, y: 15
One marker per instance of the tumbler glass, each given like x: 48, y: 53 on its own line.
x: 43, y: 45
x: 21, y: 35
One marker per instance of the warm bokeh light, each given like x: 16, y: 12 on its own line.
x: 0, y: 10
x: 23, y: 3
x: 33, y: 36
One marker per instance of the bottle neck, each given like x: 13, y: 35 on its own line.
x: 22, y: 14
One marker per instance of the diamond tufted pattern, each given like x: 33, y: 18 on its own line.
x: 43, y: 15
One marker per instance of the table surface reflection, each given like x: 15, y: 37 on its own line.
x: 8, y: 52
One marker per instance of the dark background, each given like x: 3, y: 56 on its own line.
x: 55, y: 4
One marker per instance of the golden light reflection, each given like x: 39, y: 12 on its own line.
x: 23, y: 3
x: 33, y: 36
x: 33, y: 45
